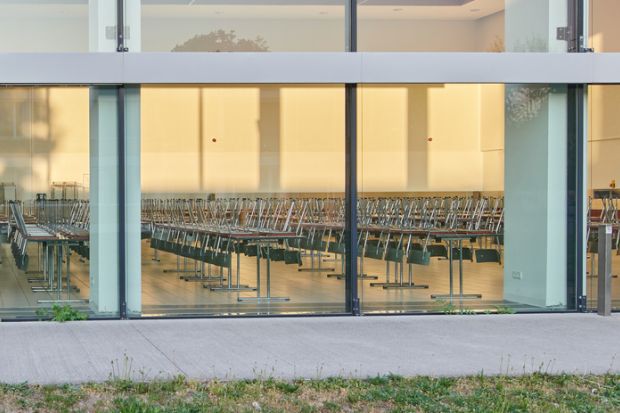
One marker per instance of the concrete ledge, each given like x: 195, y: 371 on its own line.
x: 290, y: 348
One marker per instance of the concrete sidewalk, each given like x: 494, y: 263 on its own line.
x: 287, y: 348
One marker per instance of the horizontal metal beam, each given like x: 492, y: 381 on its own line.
x: 363, y: 67
x: 490, y: 68
x: 241, y: 67
x: 61, y: 68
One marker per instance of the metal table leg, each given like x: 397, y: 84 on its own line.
x: 238, y: 286
x: 59, y: 250
x: 401, y: 285
x: 267, y: 298
x: 450, y: 296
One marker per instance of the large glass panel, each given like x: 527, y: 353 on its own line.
x: 603, y: 182
x: 242, y: 193
x: 463, y: 198
x: 44, y: 204
x: 603, y: 149
x: 462, y: 25
x: 57, y: 25
x: 241, y: 26
x: 604, y: 29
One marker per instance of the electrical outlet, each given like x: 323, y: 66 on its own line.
x: 517, y: 275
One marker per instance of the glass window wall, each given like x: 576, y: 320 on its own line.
x: 603, y: 182
x: 603, y: 149
x: 45, y: 210
x: 462, y: 26
x: 243, y: 196
x: 462, y: 198
x: 240, y: 26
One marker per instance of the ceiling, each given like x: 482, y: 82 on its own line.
x: 368, y: 9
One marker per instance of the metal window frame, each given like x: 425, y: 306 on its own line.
x: 352, y: 299
x: 576, y: 166
x: 122, y: 171
x: 575, y: 219
x: 122, y: 208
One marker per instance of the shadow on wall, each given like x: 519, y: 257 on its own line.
x: 26, y: 141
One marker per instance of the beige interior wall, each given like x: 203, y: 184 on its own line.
x: 44, y: 138
x: 455, y: 156
x: 604, y: 100
x: 383, y: 137
x: 169, y: 142
x: 227, y: 143
x: 272, y: 139
x: 249, y: 139
x: 492, y: 136
x: 231, y: 139
x: 603, y: 25
x: 604, y: 135
x: 431, y: 138
x: 312, y: 139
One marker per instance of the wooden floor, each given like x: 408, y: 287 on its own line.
x: 164, y: 293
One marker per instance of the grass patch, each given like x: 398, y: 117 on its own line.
x: 533, y: 393
x: 61, y: 314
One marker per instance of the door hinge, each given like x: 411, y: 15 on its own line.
x: 356, y: 306
x: 582, y: 303
x: 563, y: 33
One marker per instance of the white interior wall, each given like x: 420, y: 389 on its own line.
x: 416, y: 35
x: 321, y: 28
x: 280, y: 35
x: 490, y: 33
x: 535, y: 202
x: 44, y: 28
x: 431, y: 35
x: 67, y: 27
x: 535, y: 167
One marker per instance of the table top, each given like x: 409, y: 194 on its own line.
x: 40, y: 233
x: 607, y: 193
x: 235, y: 234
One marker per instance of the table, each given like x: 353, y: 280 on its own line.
x: 56, y: 242
x: 266, y: 239
x: 262, y: 238
x: 458, y: 237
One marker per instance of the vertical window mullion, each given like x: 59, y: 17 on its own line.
x: 576, y: 168
x: 122, y: 273
x: 351, y: 248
